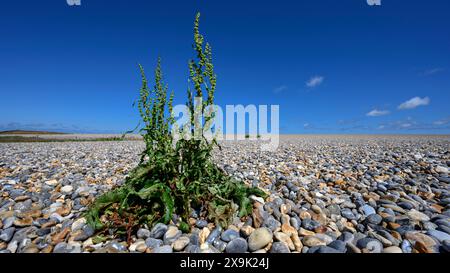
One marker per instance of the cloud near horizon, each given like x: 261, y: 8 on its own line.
x: 414, y: 103
x: 280, y: 89
x: 442, y: 121
x: 432, y: 71
x: 315, y: 81
x: 377, y: 113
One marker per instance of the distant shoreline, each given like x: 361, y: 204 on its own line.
x: 67, y: 137
x: 29, y: 132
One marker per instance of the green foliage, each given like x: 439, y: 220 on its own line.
x: 174, y: 177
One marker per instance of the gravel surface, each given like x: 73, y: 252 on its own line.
x: 328, y: 194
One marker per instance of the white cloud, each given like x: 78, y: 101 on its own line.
x: 432, y: 71
x: 280, y: 89
x: 405, y: 125
x: 414, y: 102
x: 377, y: 113
x: 315, y: 81
x: 442, y: 121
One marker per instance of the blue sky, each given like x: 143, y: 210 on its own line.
x: 332, y: 66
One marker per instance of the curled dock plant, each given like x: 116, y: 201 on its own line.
x: 174, y: 177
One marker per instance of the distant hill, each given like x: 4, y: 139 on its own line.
x: 25, y: 132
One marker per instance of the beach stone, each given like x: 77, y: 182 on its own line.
x: 158, y: 231
x: 316, y: 209
x: 171, y: 235
x: 43, y: 231
x: 219, y: 245
x: 285, y: 238
x: 7, y: 234
x: 201, y: 223
x: 181, y: 243
x: 439, y: 235
x: 279, y: 247
x: 143, y: 233
x: 31, y: 249
x: 78, y: 224
x: 368, y: 210
x: 441, y: 169
x: 213, y: 235
x: 203, y: 235
x: 392, y: 249
x: 370, y: 245
x: 374, y: 219
x: 162, y: 249
x: 259, y: 238
x: 326, y: 250
x: 66, y: 189
x: 61, y: 247
x: 23, y: 222
x: 237, y: 245
x: 421, y: 242
x: 271, y: 223
x: 312, y: 241
x: 229, y: 235
x: 417, y: 215
x: 246, y: 230
x: 406, y: 246
x: 347, y: 237
x: 310, y: 224
x: 152, y: 242
x: 446, y: 246
x: 8, y: 222
x: 347, y: 213
x: 339, y: 245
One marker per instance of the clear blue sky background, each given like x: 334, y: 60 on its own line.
x: 75, y: 68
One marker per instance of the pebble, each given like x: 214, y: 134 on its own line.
x: 229, y: 234
x: 162, y: 249
x: 171, y: 235
x: 370, y: 245
x: 442, y: 169
x: 8, y: 222
x: 259, y: 238
x: 138, y: 246
x: 201, y: 223
x: 279, y: 247
x: 66, y: 189
x: 7, y: 234
x: 181, y: 243
x: 439, y: 235
x: 374, y: 219
x: 78, y: 224
x: 203, y: 235
x: 417, y: 215
x: 237, y: 245
x: 158, y: 231
x: 311, y: 241
x: 284, y: 238
x: 348, y: 214
x: 213, y: 235
x: 326, y: 250
x: 246, y: 231
x: 143, y: 233
x: 368, y: 210
x: 339, y: 245
x: 406, y: 246
x: 392, y: 249
x: 152, y: 242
